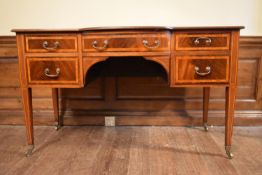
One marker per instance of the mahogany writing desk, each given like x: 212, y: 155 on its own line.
x: 191, y: 56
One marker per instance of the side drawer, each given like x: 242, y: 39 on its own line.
x: 202, y: 41
x: 51, y: 43
x: 201, y: 69
x: 153, y: 42
x: 53, y: 70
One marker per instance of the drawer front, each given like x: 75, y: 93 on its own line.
x: 188, y: 41
x: 51, y: 43
x: 53, y: 70
x: 202, y: 69
x: 127, y: 43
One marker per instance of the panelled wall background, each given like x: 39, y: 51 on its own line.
x: 140, y: 98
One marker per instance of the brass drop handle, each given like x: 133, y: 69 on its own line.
x: 47, y: 73
x: 94, y: 45
x: 208, y: 71
x: 55, y: 47
x: 208, y: 41
x: 153, y: 46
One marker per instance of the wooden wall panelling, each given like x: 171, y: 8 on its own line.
x: 143, y: 98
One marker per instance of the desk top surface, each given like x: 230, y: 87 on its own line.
x: 117, y: 28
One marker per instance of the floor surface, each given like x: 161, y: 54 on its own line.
x: 145, y: 150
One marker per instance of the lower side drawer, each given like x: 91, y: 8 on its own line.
x: 53, y: 70
x: 201, y: 69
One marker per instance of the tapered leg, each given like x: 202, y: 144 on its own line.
x: 28, y: 117
x: 56, y: 108
x: 206, y: 93
x: 230, y: 107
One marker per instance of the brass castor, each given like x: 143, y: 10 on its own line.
x: 58, y: 126
x: 205, y: 127
x: 29, y: 151
x: 228, y: 152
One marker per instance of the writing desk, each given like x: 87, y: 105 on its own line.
x: 191, y: 56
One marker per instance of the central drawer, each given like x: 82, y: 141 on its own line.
x: 148, y: 42
x: 53, y: 70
